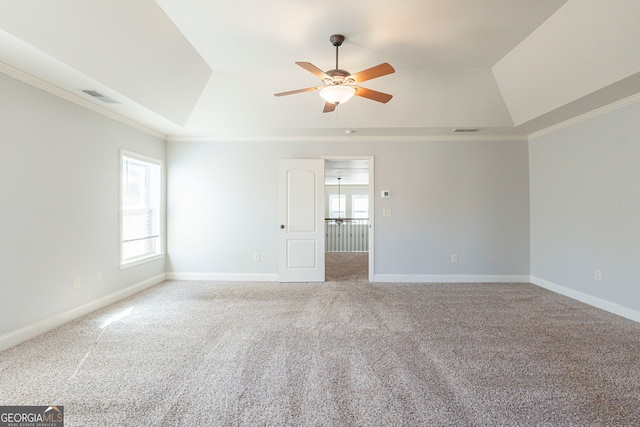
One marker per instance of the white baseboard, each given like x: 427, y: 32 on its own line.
x: 224, y: 277
x: 23, y: 334
x: 449, y: 278
x: 389, y: 278
x: 609, y: 306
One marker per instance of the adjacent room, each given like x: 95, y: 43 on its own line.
x: 321, y: 213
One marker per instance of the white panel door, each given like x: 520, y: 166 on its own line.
x: 301, y: 213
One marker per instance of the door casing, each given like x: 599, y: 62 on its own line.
x: 371, y: 205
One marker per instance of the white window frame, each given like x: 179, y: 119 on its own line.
x: 160, y: 252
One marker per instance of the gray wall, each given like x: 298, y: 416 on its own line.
x: 585, y: 207
x: 59, y: 208
x: 468, y: 198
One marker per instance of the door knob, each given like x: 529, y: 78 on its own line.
x: 281, y: 226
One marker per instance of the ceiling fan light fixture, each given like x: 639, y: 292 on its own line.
x: 337, y: 94
x: 340, y: 85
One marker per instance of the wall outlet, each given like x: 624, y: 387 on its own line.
x: 98, y: 276
x: 597, y: 275
x: 77, y: 282
x: 454, y: 258
x: 256, y: 256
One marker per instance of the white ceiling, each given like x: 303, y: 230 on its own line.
x: 209, y: 68
x: 350, y: 172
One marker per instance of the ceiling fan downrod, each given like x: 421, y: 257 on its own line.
x: 336, y: 40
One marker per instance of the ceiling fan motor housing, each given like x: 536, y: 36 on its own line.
x: 336, y: 39
x: 338, y: 77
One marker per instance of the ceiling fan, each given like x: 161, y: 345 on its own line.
x: 338, y: 86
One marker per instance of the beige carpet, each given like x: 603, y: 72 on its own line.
x: 335, y: 353
x: 346, y: 266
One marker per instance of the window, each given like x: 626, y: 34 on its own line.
x: 336, y: 206
x: 141, y: 201
x: 360, y: 206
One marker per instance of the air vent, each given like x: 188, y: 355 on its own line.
x: 464, y: 130
x: 100, y: 96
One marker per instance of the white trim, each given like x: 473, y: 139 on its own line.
x: 587, y: 116
x: 139, y: 261
x: 450, y: 278
x: 341, y: 138
x: 162, y: 214
x: 23, y: 334
x: 372, y: 220
x: 224, y: 277
x: 605, y: 305
x: 75, y: 98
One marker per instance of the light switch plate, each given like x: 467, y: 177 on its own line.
x: 386, y: 212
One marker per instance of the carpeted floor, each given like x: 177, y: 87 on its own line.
x: 346, y: 266
x: 343, y: 352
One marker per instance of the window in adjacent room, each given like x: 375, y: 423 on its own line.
x: 141, y: 202
x: 360, y: 206
x: 337, y: 206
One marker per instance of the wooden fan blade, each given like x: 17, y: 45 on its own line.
x: 373, y: 94
x: 329, y: 107
x: 291, y: 92
x: 373, y: 72
x: 313, y: 70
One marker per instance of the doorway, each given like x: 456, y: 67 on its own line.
x: 348, y: 219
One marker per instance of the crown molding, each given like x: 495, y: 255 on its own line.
x: 350, y: 138
x: 37, y: 82
x: 77, y: 99
x: 587, y: 116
